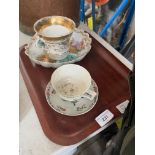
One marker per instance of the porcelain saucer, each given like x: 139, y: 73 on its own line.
x: 34, y: 50
x: 70, y: 108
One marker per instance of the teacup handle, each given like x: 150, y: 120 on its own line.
x: 89, y: 95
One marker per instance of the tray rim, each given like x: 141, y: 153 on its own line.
x: 106, y: 45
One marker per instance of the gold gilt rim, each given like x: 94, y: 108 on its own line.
x: 57, y: 20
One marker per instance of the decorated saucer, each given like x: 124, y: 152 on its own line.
x: 77, y: 51
x: 70, y: 108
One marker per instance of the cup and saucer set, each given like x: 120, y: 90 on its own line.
x: 58, y: 44
x: 71, y: 90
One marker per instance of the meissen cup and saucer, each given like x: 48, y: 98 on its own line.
x: 71, y: 90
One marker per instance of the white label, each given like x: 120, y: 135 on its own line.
x: 104, y: 118
x: 121, y: 107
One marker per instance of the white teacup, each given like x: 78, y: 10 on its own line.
x: 72, y: 82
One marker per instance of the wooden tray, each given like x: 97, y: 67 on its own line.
x: 111, y: 77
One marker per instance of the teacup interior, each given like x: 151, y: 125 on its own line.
x: 70, y: 87
x: 55, y: 31
x: 54, y: 26
x: 71, y: 80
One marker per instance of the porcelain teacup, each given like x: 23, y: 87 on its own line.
x: 72, y: 82
x: 54, y: 34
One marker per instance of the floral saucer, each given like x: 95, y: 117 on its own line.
x: 78, y: 50
x: 70, y: 108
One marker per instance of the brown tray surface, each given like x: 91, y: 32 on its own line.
x: 110, y: 75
